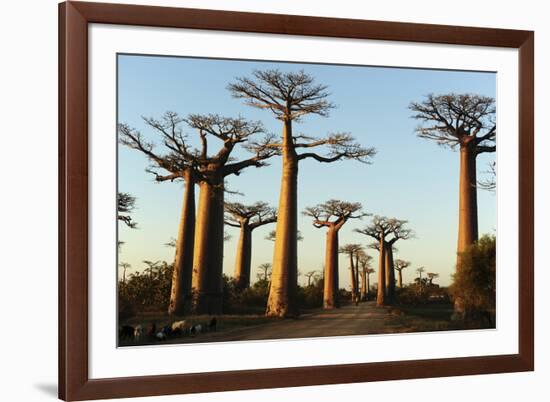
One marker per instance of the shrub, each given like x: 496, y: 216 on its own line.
x: 474, y: 284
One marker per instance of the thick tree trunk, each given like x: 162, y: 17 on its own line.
x: 330, y: 291
x: 400, y: 279
x: 208, y: 252
x: 243, y: 258
x: 363, y: 285
x: 380, y: 296
x: 352, y: 278
x: 467, y: 213
x: 467, y: 208
x: 390, y: 274
x: 368, y: 286
x: 282, y: 294
x: 183, y: 261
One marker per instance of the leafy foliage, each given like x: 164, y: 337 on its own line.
x: 475, y: 283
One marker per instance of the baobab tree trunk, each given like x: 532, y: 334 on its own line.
x: 363, y: 285
x: 183, y: 261
x: 356, y: 276
x: 330, y: 291
x: 400, y: 279
x: 282, y: 294
x: 208, y: 251
x: 380, y: 296
x: 467, y: 208
x: 352, y: 278
x: 368, y: 286
x: 390, y: 273
x: 243, y: 258
x: 467, y: 215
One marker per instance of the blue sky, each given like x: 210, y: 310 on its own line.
x: 409, y: 178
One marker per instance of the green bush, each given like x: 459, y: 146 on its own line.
x: 474, y: 284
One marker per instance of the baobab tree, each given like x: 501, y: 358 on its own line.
x: 399, y: 266
x: 431, y: 277
x: 213, y: 169
x: 466, y: 121
x: 125, y: 205
x: 386, y: 231
x: 199, y: 245
x: 351, y: 250
x: 366, y: 270
x: 290, y: 96
x: 419, y: 270
x: 124, y: 266
x: 311, y: 275
x: 332, y: 215
x: 175, y: 164
x: 246, y: 218
x: 265, y: 271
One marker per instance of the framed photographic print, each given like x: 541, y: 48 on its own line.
x: 262, y: 200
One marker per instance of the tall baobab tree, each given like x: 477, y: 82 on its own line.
x: 125, y: 205
x: 431, y: 277
x: 199, y: 245
x: 246, y: 218
x: 386, y: 231
x: 399, y: 266
x: 174, y: 164
x: 332, y: 215
x: 213, y: 169
x: 366, y: 270
x: 466, y: 121
x: 290, y: 96
x: 351, y: 250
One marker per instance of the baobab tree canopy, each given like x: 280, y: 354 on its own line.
x: 125, y: 205
x: 334, y: 213
x: 454, y: 119
x: 253, y: 215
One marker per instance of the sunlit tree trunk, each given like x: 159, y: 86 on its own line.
x: 282, y: 295
x: 390, y: 273
x: 380, y: 296
x: 467, y: 215
x: 352, y: 278
x: 400, y: 279
x: 467, y: 207
x: 183, y: 261
x: 368, y: 286
x: 330, y: 291
x: 208, y: 252
x: 356, y: 271
x: 243, y: 258
x: 363, y: 285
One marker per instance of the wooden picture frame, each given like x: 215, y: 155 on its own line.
x: 74, y: 381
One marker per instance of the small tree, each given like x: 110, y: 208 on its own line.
x: 246, y: 218
x: 399, y: 266
x: 366, y: 270
x: 475, y: 283
x: 420, y: 270
x: 332, y: 215
x: 431, y: 277
x: 351, y: 250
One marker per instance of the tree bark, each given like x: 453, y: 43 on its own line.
x: 352, y: 278
x: 400, y: 279
x: 356, y: 271
x: 208, y: 251
x: 183, y: 261
x: 282, y: 294
x: 390, y: 273
x: 363, y: 285
x: 243, y: 258
x: 467, y: 215
x: 330, y: 291
x: 467, y: 208
x: 380, y: 296
x: 368, y: 286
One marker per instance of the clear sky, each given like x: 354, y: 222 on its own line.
x: 409, y: 178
